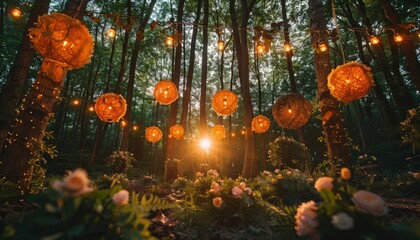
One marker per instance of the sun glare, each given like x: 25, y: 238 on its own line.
x: 205, y: 144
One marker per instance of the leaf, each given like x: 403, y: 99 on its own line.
x: 328, y: 196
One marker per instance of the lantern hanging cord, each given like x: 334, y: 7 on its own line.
x: 340, y: 43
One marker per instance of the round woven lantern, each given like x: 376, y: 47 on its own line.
x: 153, y: 134
x: 110, y: 107
x: 165, y: 92
x: 292, y: 111
x: 350, y: 81
x: 218, y: 132
x: 224, y: 102
x: 260, y: 124
x: 177, y: 131
x: 60, y: 38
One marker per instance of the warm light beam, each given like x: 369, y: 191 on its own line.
x: 205, y: 144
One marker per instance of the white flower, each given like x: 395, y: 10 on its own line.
x: 75, y: 184
x: 121, y: 197
x: 324, y: 183
x: 342, y: 221
x: 370, y: 203
x: 305, y: 217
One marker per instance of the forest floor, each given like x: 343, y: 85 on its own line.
x: 401, y: 209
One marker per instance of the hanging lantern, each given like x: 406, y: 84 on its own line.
x: 16, y: 13
x: 374, y: 39
x: 398, y: 38
x: 287, y: 47
x: 218, y: 132
x: 169, y: 41
x: 292, y: 111
x: 153, y: 134
x: 177, y: 131
x: 165, y: 92
x: 110, y: 107
x: 111, y: 33
x: 260, y: 124
x: 322, y: 47
x: 224, y: 102
x: 221, y: 45
x: 350, y: 81
x: 260, y: 49
x: 62, y: 39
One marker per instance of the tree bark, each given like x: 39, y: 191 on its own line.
x: 332, y: 121
x: 407, y: 45
x: 250, y: 166
x: 203, y: 92
x: 11, y: 92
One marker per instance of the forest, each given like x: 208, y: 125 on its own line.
x: 222, y: 119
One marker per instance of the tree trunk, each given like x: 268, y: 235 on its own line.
x: 332, y: 121
x: 250, y: 166
x: 11, y: 92
x: 132, y: 74
x: 203, y: 92
x: 37, y: 109
x: 407, y: 45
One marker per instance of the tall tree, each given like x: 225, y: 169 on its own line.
x: 12, y: 90
x: 203, y: 92
x: 332, y: 121
x: 250, y: 166
x: 34, y: 116
x: 408, y: 44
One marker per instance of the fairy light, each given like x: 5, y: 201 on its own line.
x: 374, y: 39
x: 169, y: 41
x: 123, y: 123
x: 322, y: 47
x: 287, y: 47
x: 91, y: 109
x: 111, y: 33
x: 135, y: 128
x: 16, y: 13
x: 398, y: 38
x: 233, y: 134
x: 76, y: 102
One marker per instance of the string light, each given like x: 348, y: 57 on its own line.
x: 221, y: 45
x: 374, y: 39
x: 169, y: 41
x: 111, y: 33
x: 287, y: 47
x: 243, y: 132
x: 123, y: 123
x: 233, y: 134
x: 322, y: 47
x: 135, y: 128
x: 16, y: 13
x: 91, y: 109
x: 398, y: 38
x: 76, y: 102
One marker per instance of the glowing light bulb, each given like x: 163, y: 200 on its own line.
x: 243, y: 132
x: 16, y: 13
x: 111, y: 33
x: 398, y: 38
x: 169, y: 41
x: 166, y: 93
x: 289, y: 110
x: 110, y: 107
x: 233, y: 134
x: 347, y: 81
x: 221, y: 45
x: 153, y: 134
x: 65, y: 43
x: 260, y: 49
x: 135, y: 128
x: 123, y: 123
x: 374, y: 39
x: 322, y: 47
x: 91, y: 109
x: 76, y: 102
x: 287, y: 47
x: 205, y: 144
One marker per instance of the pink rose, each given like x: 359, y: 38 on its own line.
x: 305, y: 217
x: 324, y: 183
x: 121, y: 197
x: 217, y: 202
x: 279, y: 177
x: 368, y: 202
x: 75, y: 184
x: 236, y: 192
x: 215, y: 188
x: 242, y: 185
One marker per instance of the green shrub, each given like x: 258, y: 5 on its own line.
x: 285, y: 152
x: 411, y: 129
x: 120, y: 161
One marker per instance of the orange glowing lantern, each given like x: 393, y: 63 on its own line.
x: 153, y: 134
x: 374, y: 39
x: 260, y: 49
x: 221, y: 45
x: 76, y: 102
x: 61, y: 39
x: 177, y: 131
x: 224, y: 102
x: 91, y: 109
x: 292, y: 111
x: 16, y: 13
x: 110, y: 107
x: 350, y: 81
x: 218, y: 132
x: 260, y: 124
x: 111, y: 33
x: 322, y: 47
x: 287, y: 47
x: 165, y: 92
x: 169, y: 41
x: 398, y: 38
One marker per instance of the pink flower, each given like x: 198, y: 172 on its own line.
x: 289, y: 173
x: 305, y: 217
x: 368, y: 202
x: 199, y: 174
x: 279, y: 177
x: 121, y: 197
x: 215, y: 188
x: 277, y: 171
x: 236, y: 192
x: 75, y: 184
x: 324, y: 183
x: 248, y: 190
x: 217, y: 202
x: 273, y: 180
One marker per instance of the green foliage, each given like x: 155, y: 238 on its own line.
x: 8, y: 190
x: 286, y: 152
x: 411, y: 129
x: 285, y: 187
x: 105, y: 181
x: 120, y: 161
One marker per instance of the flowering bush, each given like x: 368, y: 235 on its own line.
x: 72, y: 209
x: 117, y: 178
x: 344, y: 213
x: 285, y: 186
x: 286, y: 152
x: 120, y: 161
x: 411, y: 129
